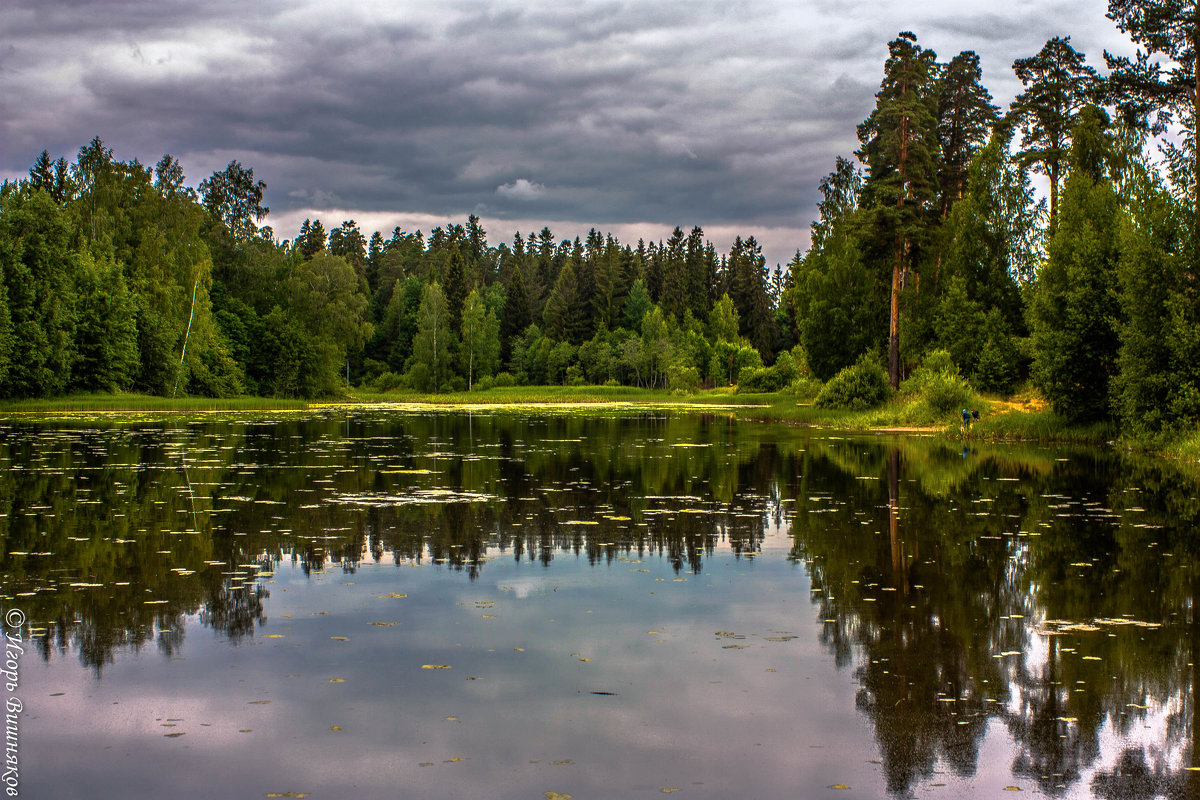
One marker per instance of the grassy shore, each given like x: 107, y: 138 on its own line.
x: 1022, y: 418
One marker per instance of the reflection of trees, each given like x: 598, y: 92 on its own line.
x: 928, y: 564
x: 145, y: 527
x: 953, y: 595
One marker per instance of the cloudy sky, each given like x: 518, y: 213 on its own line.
x: 631, y: 117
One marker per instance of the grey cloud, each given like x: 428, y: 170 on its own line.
x: 625, y: 112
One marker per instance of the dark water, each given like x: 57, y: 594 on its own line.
x: 511, y: 606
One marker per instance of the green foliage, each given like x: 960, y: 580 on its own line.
x: 938, y: 385
x: 834, y: 295
x: 479, y: 352
x: 774, y: 378
x: 429, y: 367
x: 106, y: 331
x: 858, y: 387
x: 1058, y: 86
x: 1158, y: 383
x: 39, y: 275
x: 637, y: 306
x: 1000, y: 363
x: 1073, y: 309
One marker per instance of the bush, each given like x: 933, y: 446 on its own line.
x: 387, y: 381
x: 574, y: 376
x: 856, y: 388
x: 938, y: 385
x: 760, y: 379
x: 805, y: 388
x: 682, y: 378
x: 771, y: 379
x: 504, y: 379
x: 420, y: 378
x: 484, y: 383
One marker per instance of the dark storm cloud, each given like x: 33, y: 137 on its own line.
x: 597, y: 113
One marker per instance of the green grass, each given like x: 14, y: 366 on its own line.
x: 141, y: 403
x: 537, y: 395
x: 1036, y: 426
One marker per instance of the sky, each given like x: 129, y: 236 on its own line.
x: 628, y: 117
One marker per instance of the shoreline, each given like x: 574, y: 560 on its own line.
x: 1005, y: 420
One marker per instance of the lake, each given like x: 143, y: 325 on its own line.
x: 373, y: 604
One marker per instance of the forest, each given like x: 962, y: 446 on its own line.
x: 933, y: 253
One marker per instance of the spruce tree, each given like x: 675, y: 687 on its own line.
x: 516, y: 316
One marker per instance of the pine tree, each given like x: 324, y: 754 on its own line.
x: 966, y: 116
x: 899, y: 148
x: 1058, y: 86
x: 1141, y: 87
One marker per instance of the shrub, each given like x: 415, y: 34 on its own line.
x: 387, y: 381
x: 805, y: 388
x: 683, y: 378
x: 938, y: 385
x: 504, y: 379
x: 770, y: 379
x: 861, y: 386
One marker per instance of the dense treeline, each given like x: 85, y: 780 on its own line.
x: 117, y: 276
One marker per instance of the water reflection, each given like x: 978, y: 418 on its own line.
x: 1021, y: 603
x: 1053, y: 595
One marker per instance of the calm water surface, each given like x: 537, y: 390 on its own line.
x: 513, y: 606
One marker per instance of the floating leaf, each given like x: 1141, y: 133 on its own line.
x: 559, y: 796
x: 259, y: 702
x: 337, y: 680
x: 273, y: 636
x: 335, y: 727
x: 839, y: 786
x: 339, y: 638
x: 173, y: 735
x: 435, y: 666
